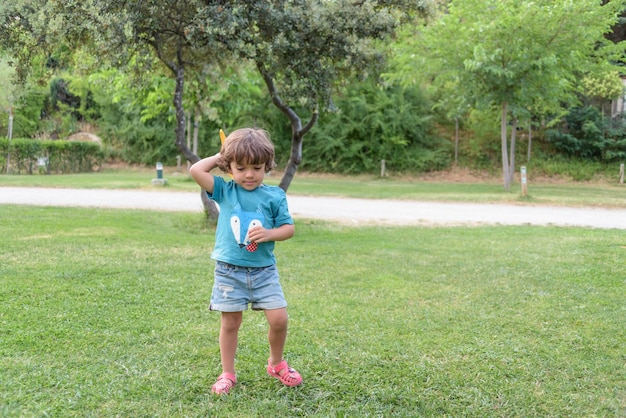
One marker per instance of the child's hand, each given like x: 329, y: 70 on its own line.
x: 259, y: 234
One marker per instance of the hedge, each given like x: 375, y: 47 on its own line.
x: 27, y: 156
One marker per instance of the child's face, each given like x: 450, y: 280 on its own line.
x: 248, y: 176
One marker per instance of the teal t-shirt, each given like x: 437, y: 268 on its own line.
x: 240, y: 210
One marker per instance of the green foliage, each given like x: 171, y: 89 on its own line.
x: 603, y: 86
x: 615, y: 140
x: 60, y: 94
x: 586, y: 134
x: 136, y: 142
x: 523, y: 57
x: 28, y: 111
x: 67, y: 45
x: 481, y: 150
x: 137, y: 122
x: 18, y: 37
x: 307, y: 48
x: 375, y: 123
x: 28, y: 155
x: 9, y: 91
x: 51, y: 103
x: 577, y: 170
x: 245, y: 103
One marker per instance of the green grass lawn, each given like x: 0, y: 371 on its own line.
x: 105, y: 313
x: 606, y: 194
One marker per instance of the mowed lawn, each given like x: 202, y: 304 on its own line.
x: 105, y: 313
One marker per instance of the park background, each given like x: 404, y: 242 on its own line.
x: 104, y: 312
x: 340, y: 86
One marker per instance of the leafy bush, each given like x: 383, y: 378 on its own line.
x: 376, y: 123
x: 27, y: 120
x: 24, y: 155
x: 482, y: 148
x: 586, y: 134
x: 615, y: 145
x: 137, y: 142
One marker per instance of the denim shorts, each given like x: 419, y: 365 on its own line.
x: 235, y: 287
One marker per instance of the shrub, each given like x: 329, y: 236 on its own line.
x: 49, y: 156
x: 376, y: 123
x: 586, y: 134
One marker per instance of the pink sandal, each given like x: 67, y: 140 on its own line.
x: 224, y: 384
x: 289, y: 378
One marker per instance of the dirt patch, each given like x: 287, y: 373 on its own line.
x: 460, y: 175
x: 85, y: 137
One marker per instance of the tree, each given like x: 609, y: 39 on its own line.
x: 18, y: 37
x: 119, y: 30
x: 164, y: 26
x: 520, y: 56
x: 304, y: 49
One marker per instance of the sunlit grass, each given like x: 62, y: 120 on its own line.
x: 105, y: 313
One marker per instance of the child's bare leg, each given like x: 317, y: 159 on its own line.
x: 277, y: 367
x: 229, y: 330
x: 277, y: 335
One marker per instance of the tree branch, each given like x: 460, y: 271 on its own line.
x: 311, y: 123
x: 278, y: 102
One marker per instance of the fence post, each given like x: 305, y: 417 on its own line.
x: 621, y: 173
x: 524, y: 182
x: 382, y: 168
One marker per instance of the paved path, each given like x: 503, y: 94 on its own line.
x: 353, y: 211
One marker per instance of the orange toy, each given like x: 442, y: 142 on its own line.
x: 222, y: 139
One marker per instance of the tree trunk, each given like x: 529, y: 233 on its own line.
x: 10, y: 136
x: 188, y: 139
x: 297, y: 131
x: 188, y: 130
x: 505, y: 156
x: 196, y: 129
x: 512, y: 152
x: 180, y: 142
x: 210, y: 207
x: 456, y: 140
x: 530, y: 140
x: 295, y: 158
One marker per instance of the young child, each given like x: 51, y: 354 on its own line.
x: 252, y: 217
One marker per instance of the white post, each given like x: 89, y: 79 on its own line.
x: 621, y: 173
x: 524, y: 182
x: 382, y: 168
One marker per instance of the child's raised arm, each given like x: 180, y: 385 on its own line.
x: 200, y: 172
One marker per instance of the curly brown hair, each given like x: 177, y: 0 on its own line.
x: 247, y: 146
